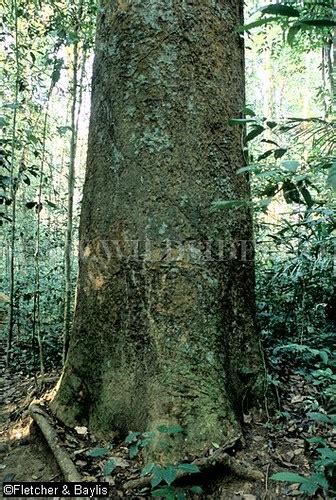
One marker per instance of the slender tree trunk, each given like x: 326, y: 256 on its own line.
x: 164, y: 324
x: 328, y: 77
x: 69, y: 230
x: 71, y: 187
x: 37, y: 293
x: 268, y: 84
x: 14, y: 186
x: 330, y: 70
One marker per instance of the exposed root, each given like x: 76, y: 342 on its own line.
x: 65, y: 463
x: 219, y: 458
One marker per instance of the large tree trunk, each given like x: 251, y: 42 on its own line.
x: 164, y: 324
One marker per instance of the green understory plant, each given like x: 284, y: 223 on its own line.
x: 323, y: 479
x: 161, y: 476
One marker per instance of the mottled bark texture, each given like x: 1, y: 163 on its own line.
x: 167, y: 337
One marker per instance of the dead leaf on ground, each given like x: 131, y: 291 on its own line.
x: 81, y: 430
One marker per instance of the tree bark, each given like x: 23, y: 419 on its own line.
x: 164, y: 325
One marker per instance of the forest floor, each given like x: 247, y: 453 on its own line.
x: 277, y: 444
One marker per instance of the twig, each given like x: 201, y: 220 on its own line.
x: 266, y: 380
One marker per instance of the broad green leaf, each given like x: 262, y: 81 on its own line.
x: 175, y: 429
x: 256, y: 24
x: 190, y: 468
x: 167, y: 492
x: 26, y: 180
x: 317, y: 440
x: 325, y: 462
x: 31, y: 204
x: 162, y: 428
x: 248, y: 111
x: 263, y: 203
x: 290, y: 192
x: 306, y: 196
x: 265, y: 155
x: 309, y: 487
x: 171, y: 429
x: 197, y: 490
x: 97, y: 452
x: 327, y: 453
x: 324, y: 355
x: 157, y: 476
x: 290, y: 477
x: 318, y: 417
x: 281, y: 10
x: 72, y: 37
x: 331, y: 180
x: 32, y: 138
x: 132, y: 436
x: 5, y: 180
x: 169, y: 474
x: 109, y: 467
x: 147, y: 469
x: 133, y: 450
x: 319, y: 23
x: 278, y: 153
x: 270, y: 190
x: 3, y: 121
x: 51, y: 204
x: 324, y: 374
x: 256, y: 130
x: 319, y: 479
x: 271, y: 124
x: 290, y: 165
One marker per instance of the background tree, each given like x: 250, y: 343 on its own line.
x: 75, y: 92
x: 35, y: 149
x: 164, y: 329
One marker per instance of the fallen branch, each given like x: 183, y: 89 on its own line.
x: 218, y: 458
x: 65, y: 463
